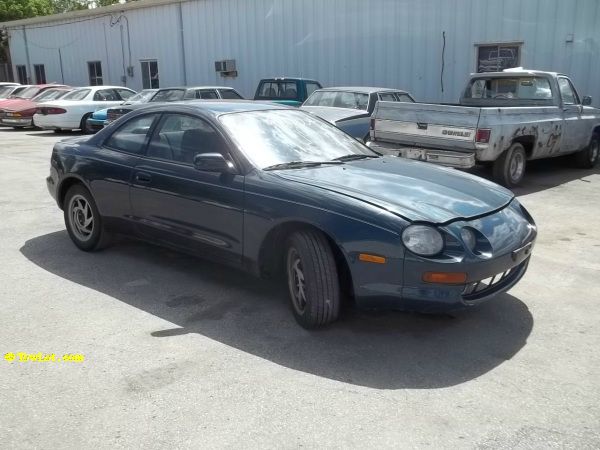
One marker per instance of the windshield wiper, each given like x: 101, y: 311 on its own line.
x: 354, y: 156
x: 299, y: 164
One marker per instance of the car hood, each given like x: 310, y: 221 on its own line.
x: 414, y: 190
x: 331, y: 114
x: 17, y: 104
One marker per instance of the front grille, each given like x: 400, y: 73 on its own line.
x: 114, y: 114
x: 487, y: 286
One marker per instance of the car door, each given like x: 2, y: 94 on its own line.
x: 111, y: 172
x: 571, y: 110
x: 179, y: 205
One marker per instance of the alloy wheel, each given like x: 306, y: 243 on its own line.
x: 81, y: 217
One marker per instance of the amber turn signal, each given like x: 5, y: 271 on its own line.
x: 445, y: 277
x: 365, y: 257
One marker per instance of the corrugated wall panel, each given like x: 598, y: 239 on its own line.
x: 391, y: 43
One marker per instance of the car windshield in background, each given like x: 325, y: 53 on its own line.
x: 230, y: 94
x: 505, y: 90
x: 29, y: 92
x: 50, y: 94
x: 78, y: 94
x: 274, y: 137
x: 338, y: 99
x: 168, y: 95
x: 140, y: 97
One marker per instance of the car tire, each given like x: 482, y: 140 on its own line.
x: 588, y: 157
x: 509, y: 169
x: 18, y: 128
x: 57, y: 130
x: 83, y: 126
x: 312, y: 279
x: 83, y: 220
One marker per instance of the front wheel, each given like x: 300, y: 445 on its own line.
x: 83, y: 221
x: 509, y: 168
x: 313, y: 281
x: 588, y: 157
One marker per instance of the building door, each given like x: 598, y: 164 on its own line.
x: 150, y: 79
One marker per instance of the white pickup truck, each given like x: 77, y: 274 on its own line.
x: 503, y: 119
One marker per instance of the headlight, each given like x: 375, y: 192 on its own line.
x: 423, y: 240
x: 469, y: 238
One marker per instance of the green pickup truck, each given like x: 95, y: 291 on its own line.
x: 287, y: 91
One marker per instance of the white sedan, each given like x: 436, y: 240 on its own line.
x: 72, y: 110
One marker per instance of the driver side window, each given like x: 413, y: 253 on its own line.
x: 568, y: 94
x: 180, y: 137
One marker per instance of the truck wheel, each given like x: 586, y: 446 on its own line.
x: 509, y: 168
x: 588, y: 157
x: 313, y: 281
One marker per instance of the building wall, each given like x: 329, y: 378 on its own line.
x: 389, y: 43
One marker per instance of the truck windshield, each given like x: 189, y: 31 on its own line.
x: 508, y: 91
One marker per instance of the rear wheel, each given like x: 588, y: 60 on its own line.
x: 588, y: 157
x: 509, y: 168
x: 312, y: 277
x: 83, y: 220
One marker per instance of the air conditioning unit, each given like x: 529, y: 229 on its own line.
x: 226, y: 65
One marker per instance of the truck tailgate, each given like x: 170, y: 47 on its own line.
x: 426, y: 125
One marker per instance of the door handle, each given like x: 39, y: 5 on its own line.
x: 143, y: 177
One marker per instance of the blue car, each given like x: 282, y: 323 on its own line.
x: 350, y: 108
x: 97, y: 121
x: 274, y: 190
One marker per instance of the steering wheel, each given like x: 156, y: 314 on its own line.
x: 501, y: 96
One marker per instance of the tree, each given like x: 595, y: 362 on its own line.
x: 22, y: 9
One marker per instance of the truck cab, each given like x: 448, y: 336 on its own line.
x: 285, y: 90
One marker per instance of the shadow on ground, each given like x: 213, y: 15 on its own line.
x: 389, y: 350
x: 544, y: 174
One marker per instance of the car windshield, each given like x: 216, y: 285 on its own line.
x: 277, y: 136
x: 168, y: 95
x: 508, y: 90
x: 50, y: 94
x: 338, y: 99
x: 141, y: 97
x: 78, y: 94
x: 29, y: 92
x: 5, y: 91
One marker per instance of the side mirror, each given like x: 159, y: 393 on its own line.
x: 586, y: 101
x: 213, y: 162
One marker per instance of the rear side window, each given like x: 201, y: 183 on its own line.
x: 106, y: 95
x: 404, y: 98
x: 132, y: 137
x: 387, y: 97
x: 230, y: 94
x: 207, y: 94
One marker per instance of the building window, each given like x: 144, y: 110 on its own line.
x: 95, y: 71
x: 22, y: 74
x: 40, y: 73
x: 150, y: 74
x: 497, y: 57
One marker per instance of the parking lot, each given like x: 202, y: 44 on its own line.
x: 183, y: 353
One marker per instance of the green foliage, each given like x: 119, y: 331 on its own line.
x: 22, y: 9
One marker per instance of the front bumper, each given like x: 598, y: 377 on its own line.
x: 16, y: 121
x: 460, y: 160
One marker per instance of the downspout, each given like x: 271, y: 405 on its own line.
x: 62, y: 74
x: 27, y: 55
x: 182, y: 46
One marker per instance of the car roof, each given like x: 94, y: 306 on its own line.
x: 520, y: 72
x: 362, y: 89
x: 194, y: 87
x: 310, y: 80
x: 218, y: 107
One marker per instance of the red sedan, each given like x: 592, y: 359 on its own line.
x: 18, y: 112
